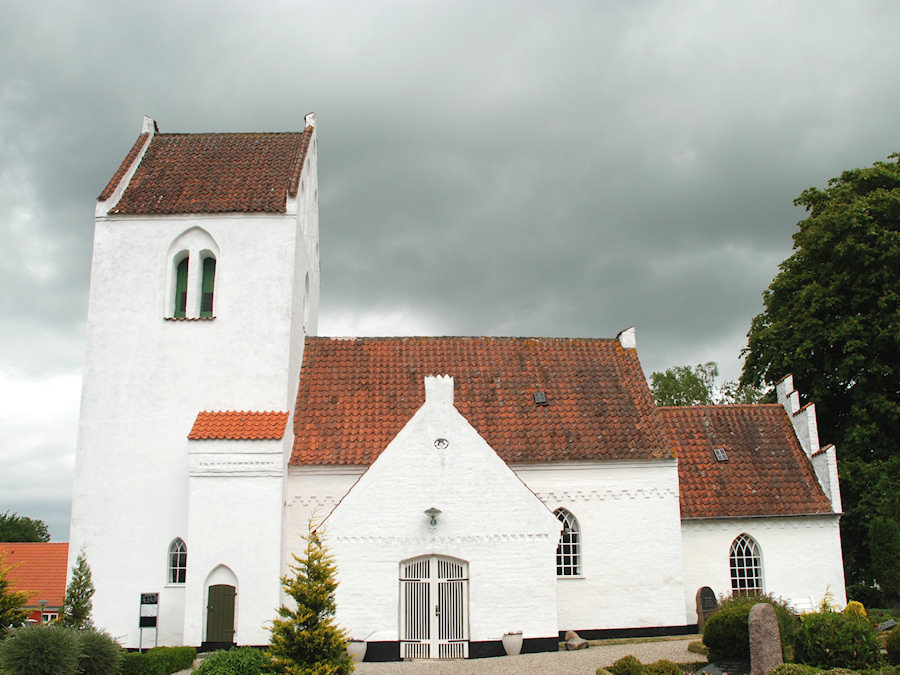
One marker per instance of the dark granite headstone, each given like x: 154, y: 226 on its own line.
x: 706, y: 605
x: 728, y: 667
x: 886, y: 625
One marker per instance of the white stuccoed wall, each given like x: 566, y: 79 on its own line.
x: 801, y: 557
x: 489, y: 518
x: 629, y: 516
x: 146, y: 379
x: 235, y: 504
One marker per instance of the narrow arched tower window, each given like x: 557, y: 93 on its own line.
x: 181, y: 279
x: 568, y: 552
x: 746, y: 566
x: 208, y: 285
x: 177, y: 562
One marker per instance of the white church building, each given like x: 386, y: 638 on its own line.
x: 467, y: 487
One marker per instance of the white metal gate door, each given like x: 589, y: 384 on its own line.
x: 434, y: 608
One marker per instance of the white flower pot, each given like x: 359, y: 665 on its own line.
x: 357, y: 650
x: 512, y: 643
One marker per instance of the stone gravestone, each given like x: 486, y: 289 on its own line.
x: 765, y: 639
x: 706, y: 605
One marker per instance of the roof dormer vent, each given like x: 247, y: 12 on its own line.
x: 720, y: 455
x: 540, y: 398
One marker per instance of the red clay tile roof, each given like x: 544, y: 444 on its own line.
x: 356, y: 394
x: 39, y: 569
x: 239, y: 425
x: 123, y: 168
x: 767, y: 472
x: 213, y: 173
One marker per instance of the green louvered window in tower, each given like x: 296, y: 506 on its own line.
x: 181, y: 275
x: 209, y: 281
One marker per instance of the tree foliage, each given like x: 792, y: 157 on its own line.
x: 831, y: 318
x: 16, y: 528
x: 305, y: 638
x: 696, y: 385
x: 884, y: 547
x: 11, y: 601
x: 77, y: 605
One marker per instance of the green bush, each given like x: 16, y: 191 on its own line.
x: 627, y: 665
x: 38, y: 650
x: 243, y: 661
x: 727, y: 632
x: 870, y: 596
x: 135, y: 663
x: 892, y: 644
x: 836, y: 640
x: 663, y: 667
x: 792, y: 669
x: 98, y: 653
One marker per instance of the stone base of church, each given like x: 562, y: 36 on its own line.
x: 645, y: 631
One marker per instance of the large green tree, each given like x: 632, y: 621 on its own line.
x: 14, y: 527
x: 832, y: 318
x: 696, y: 385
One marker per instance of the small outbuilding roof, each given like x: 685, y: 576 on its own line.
x: 38, y: 569
x: 238, y: 425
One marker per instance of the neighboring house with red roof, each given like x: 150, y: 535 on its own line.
x: 467, y: 486
x: 38, y: 569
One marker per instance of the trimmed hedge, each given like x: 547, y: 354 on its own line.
x: 835, y: 640
x: 627, y: 665
x: 158, y: 661
x: 241, y: 661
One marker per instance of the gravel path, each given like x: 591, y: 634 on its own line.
x: 579, y: 662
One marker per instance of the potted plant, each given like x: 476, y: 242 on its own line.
x: 512, y: 642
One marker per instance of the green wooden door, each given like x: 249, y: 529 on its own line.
x: 220, y: 614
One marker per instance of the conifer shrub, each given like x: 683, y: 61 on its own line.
x: 835, y: 640
x: 98, y: 653
x: 43, y: 649
x: 242, y: 661
x: 727, y: 632
x: 627, y: 665
x: 305, y: 638
x: 892, y: 645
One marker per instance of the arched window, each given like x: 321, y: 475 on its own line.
x: 206, y: 290
x: 177, y: 562
x: 568, y: 552
x: 746, y: 567
x: 181, y: 277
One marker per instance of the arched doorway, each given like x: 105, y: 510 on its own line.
x: 221, y: 594
x: 434, y: 608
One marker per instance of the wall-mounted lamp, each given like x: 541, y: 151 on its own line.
x: 433, y: 513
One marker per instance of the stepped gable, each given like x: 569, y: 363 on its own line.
x: 766, y: 472
x: 356, y: 394
x: 213, y: 173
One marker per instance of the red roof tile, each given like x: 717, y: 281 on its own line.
x: 767, y: 473
x: 356, y: 394
x: 123, y: 167
x: 239, y: 425
x: 213, y: 173
x: 38, y: 569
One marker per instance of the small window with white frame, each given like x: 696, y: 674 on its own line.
x: 177, y: 573
x: 568, y: 552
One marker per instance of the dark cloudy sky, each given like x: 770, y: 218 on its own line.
x: 486, y: 168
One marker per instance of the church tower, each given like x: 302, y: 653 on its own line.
x: 204, y: 283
